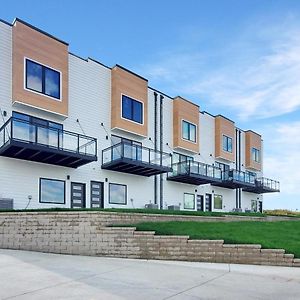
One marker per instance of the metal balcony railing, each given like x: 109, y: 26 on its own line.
x: 135, y: 159
x: 267, y: 183
x: 239, y: 176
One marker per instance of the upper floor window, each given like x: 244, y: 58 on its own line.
x: 256, y: 155
x: 132, y: 109
x: 128, y: 149
x: 223, y: 167
x: 180, y: 158
x: 42, y: 79
x: 188, y: 131
x: 227, y: 143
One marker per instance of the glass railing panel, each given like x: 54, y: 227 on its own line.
x: 86, y: 146
x: 23, y: 131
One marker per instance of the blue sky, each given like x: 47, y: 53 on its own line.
x: 238, y: 58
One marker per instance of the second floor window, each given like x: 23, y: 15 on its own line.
x: 255, y: 155
x: 227, y: 143
x: 188, y: 131
x: 132, y: 109
x: 42, y: 79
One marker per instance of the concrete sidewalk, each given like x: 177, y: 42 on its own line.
x: 32, y: 275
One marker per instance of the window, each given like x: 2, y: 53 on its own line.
x: 32, y: 129
x: 256, y: 155
x: 218, y: 201
x: 132, y: 149
x: 188, y: 131
x: 227, y: 143
x: 254, y: 205
x: 52, y: 191
x: 132, y: 109
x: 42, y: 79
x: 180, y: 158
x: 117, y: 193
x: 189, y: 201
x: 223, y: 167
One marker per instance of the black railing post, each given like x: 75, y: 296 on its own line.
x: 149, y: 155
x: 11, y: 129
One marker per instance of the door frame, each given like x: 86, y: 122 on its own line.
x: 83, y: 193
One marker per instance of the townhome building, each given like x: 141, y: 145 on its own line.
x: 75, y: 133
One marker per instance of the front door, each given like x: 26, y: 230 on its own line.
x: 260, y: 206
x: 97, y: 199
x: 208, y: 204
x: 77, y: 195
x: 199, y: 202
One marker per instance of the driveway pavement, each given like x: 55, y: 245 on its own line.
x: 32, y: 275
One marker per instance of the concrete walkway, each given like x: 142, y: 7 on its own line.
x: 31, y: 275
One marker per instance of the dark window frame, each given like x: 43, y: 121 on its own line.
x: 182, y: 157
x: 184, y: 201
x: 128, y: 141
x: 226, y: 148
x: 256, y: 155
x: 218, y: 195
x: 43, y: 79
x: 40, y: 190
x: 131, y: 118
x: 32, y: 118
x: 126, y: 193
x: 189, y: 131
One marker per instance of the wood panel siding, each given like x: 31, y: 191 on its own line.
x: 123, y: 82
x: 224, y: 126
x: 252, y: 140
x: 37, y: 46
x: 185, y: 110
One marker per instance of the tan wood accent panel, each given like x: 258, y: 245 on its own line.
x: 226, y: 127
x: 185, y: 110
x: 133, y: 86
x: 32, y: 44
x: 252, y: 140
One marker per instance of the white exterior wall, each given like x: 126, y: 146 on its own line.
x: 89, y: 102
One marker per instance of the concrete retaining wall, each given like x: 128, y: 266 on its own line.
x: 86, y: 234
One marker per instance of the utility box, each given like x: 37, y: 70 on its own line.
x: 173, y: 207
x: 151, y: 206
x: 6, y: 203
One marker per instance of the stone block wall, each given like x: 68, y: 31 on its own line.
x: 87, y: 234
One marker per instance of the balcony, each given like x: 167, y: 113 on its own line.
x: 135, y: 159
x: 24, y: 140
x: 264, y: 185
x: 195, y: 173
x: 234, y: 179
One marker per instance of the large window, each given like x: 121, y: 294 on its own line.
x: 180, y: 158
x: 42, y: 79
x: 38, y: 130
x: 132, y: 109
x: 117, y: 193
x: 188, y: 131
x: 132, y: 149
x: 189, y: 201
x: 52, y: 191
x: 227, y: 143
x: 255, y: 155
x: 218, y: 201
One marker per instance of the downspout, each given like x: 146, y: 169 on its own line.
x: 240, y: 190
x: 236, y: 166
x: 161, y: 197
x: 155, y: 144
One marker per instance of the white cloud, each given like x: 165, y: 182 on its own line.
x: 282, y: 143
x: 256, y: 76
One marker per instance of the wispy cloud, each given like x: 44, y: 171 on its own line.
x: 256, y: 75
x: 282, y: 144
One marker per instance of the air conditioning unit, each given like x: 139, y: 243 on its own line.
x: 151, y: 206
x: 6, y: 203
x: 173, y: 207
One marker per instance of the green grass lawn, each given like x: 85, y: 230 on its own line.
x: 141, y: 210
x: 280, y: 235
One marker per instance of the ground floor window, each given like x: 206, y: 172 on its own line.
x: 254, y: 205
x: 52, y: 191
x: 218, y: 201
x: 117, y: 193
x: 189, y: 201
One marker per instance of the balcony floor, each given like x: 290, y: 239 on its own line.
x: 44, y: 154
x: 234, y: 184
x: 194, y: 179
x: 136, y: 167
x: 260, y: 190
